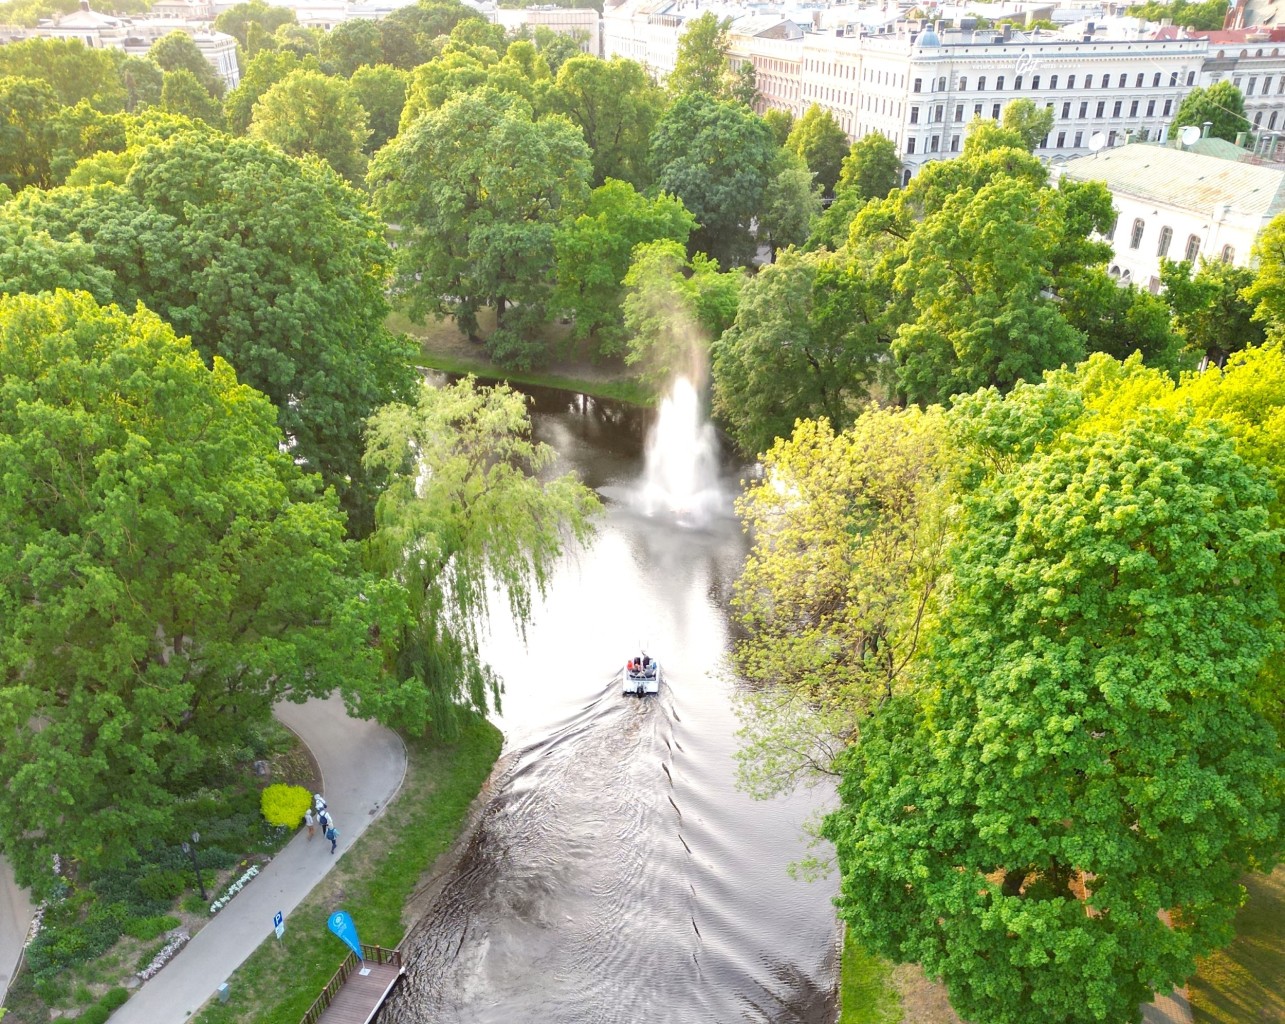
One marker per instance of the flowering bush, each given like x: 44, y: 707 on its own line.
x: 164, y: 956
x: 233, y: 889
x: 284, y: 805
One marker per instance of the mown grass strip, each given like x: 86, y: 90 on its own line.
x: 373, y: 882
x: 866, y: 992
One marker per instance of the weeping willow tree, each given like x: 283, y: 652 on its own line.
x: 469, y: 511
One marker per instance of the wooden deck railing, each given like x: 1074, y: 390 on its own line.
x: 373, y: 954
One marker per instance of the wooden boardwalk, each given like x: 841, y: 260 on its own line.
x: 358, y: 989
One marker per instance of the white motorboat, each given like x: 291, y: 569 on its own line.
x: 641, y: 676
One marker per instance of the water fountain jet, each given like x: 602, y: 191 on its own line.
x: 680, y: 475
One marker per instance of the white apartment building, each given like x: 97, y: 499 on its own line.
x: 1183, y: 205
x: 579, y: 22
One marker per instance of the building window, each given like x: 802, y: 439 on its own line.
x: 1017, y: 83
x: 910, y: 145
x: 1133, y: 109
x: 963, y: 84
x: 1111, y: 230
x: 959, y: 111
x: 919, y: 85
x: 1135, y: 237
x: 977, y: 110
x: 1193, y: 248
x: 1066, y: 110
x: 995, y: 111
x: 1053, y: 82
x: 1123, y: 79
x: 1088, y: 81
x: 1035, y: 81
x: 941, y: 84
x: 1155, y: 81
x: 1229, y: 254
x: 1084, y: 109
x: 1102, y: 108
x: 1119, y: 105
x: 1166, y: 238
x: 1061, y: 140
x: 1249, y: 86
x: 954, y: 143
x: 999, y: 84
x: 1079, y: 138
x: 1070, y: 82
x: 1167, y: 107
x: 933, y: 143
x: 1191, y: 78
x: 1258, y: 119
x: 1137, y: 83
x: 981, y: 84
x: 1151, y: 108
x: 938, y: 112
x: 914, y: 115
x: 1173, y: 79
x: 1267, y: 85
x: 1271, y: 122
x: 1111, y: 137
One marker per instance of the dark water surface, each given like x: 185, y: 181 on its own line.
x: 617, y: 875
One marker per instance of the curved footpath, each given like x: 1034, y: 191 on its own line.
x: 362, y: 766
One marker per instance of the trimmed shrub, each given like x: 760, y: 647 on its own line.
x: 284, y: 805
x: 147, y: 928
x: 163, y: 886
x: 96, y: 1014
x: 114, y: 998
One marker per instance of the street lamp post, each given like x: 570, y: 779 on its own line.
x: 191, y: 852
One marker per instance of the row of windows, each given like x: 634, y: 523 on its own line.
x: 1174, y: 81
x: 1249, y: 87
x: 939, y: 111
x: 1166, y: 240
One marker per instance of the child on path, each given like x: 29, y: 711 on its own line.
x: 311, y: 822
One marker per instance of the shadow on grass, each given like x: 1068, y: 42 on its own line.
x: 1245, y: 983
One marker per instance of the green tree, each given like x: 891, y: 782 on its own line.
x: 1221, y: 103
x: 1267, y: 292
x: 266, y: 69
x: 823, y: 145
x: 1212, y: 309
x: 308, y: 112
x: 1121, y: 321
x: 142, y: 80
x: 477, y: 188
x: 673, y: 307
x: 840, y: 588
x: 177, y: 51
x: 74, y: 71
x: 381, y: 91
x: 871, y: 170
x: 32, y: 261
x: 410, y: 34
x: 167, y: 574
x: 469, y: 506
x: 237, y: 20
x: 27, y: 136
x: 1207, y: 16
x: 616, y: 105
x: 183, y: 94
x: 558, y: 47
x: 1057, y: 827
x: 1032, y: 123
x: 593, y: 252
x: 701, y: 63
x: 718, y: 158
x: 350, y: 45
x: 781, y: 122
x: 807, y: 340
x: 301, y: 40
x: 791, y: 204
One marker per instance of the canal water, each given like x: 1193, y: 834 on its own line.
x: 616, y: 874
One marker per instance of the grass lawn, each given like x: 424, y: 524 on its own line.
x: 1245, y: 983
x: 866, y: 992
x: 443, y: 347
x: 374, y: 881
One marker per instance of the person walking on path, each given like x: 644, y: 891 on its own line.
x: 332, y: 834
x: 311, y: 822
x: 319, y: 801
x: 323, y: 819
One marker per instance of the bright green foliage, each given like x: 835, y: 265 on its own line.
x: 673, y: 308
x: 701, y: 63
x: 301, y: 40
x: 1030, y: 122
x: 410, y: 35
x: 781, y: 122
x: 177, y: 51
x: 718, y: 158
x: 593, y: 253
x: 27, y: 138
x: 83, y: 131
x: 1201, y: 14
x: 381, y: 91
x: 74, y: 71
x: 237, y: 20
x: 468, y: 507
x: 838, y: 591
x: 34, y: 262
x: 1222, y: 103
x: 1213, y: 309
x: 311, y: 113
x: 477, y: 188
x: 166, y: 574
x: 806, y: 341
x: 273, y: 264
x: 465, y: 68
x: 871, y: 170
x: 1121, y: 321
x: 558, y: 47
x: 142, y: 80
x: 791, y: 203
x: 1087, y: 751
x: 184, y: 95
x: 350, y: 45
x: 284, y: 805
x: 1267, y: 293
x: 266, y: 69
x: 616, y: 105
x: 817, y: 137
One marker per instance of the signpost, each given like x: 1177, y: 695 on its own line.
x: 279, y: 924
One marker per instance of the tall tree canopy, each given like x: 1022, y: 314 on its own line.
x: 1221, y: 103
x: 73, y: 70
x: 308, y: 112
x: 476, y: 189
x: 468, y: 506
x: 1056, y: 823
x: 817, y: 137
x: 701, y: 64
x: 166, y: 574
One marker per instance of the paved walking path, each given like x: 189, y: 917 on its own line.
x: 15, y: 920
x: 362, y: 766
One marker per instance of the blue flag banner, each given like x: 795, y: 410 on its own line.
x: 342, y: 925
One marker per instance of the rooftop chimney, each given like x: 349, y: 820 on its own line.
x: 1240, y: 139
